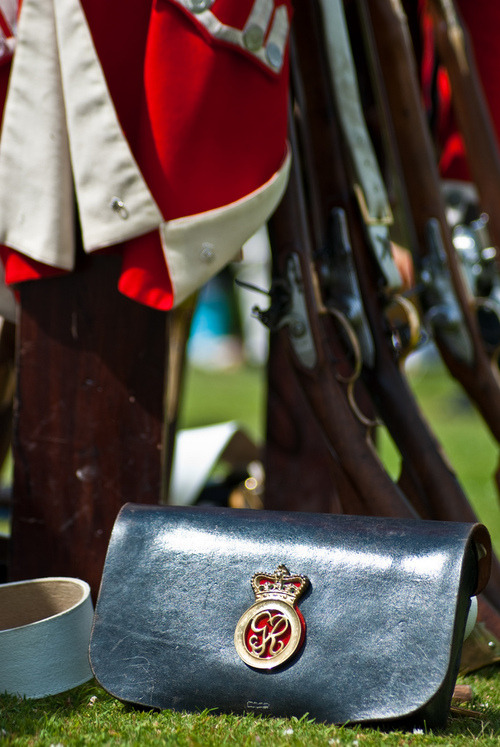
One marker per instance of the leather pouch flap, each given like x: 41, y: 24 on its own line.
x: 383, y: 613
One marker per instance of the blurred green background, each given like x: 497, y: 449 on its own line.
x: 211, y: 397
x: 240, y: 394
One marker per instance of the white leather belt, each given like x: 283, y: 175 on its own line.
x: 45, y: 628
x: 370, y: 187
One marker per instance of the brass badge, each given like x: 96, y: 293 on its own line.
x: 272, y: 629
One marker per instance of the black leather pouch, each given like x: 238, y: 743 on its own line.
x: 348, y: 619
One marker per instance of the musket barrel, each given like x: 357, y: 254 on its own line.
x: 481, y: 380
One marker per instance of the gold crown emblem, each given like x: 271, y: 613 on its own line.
x: 272, y: 629
x: 279, y: 585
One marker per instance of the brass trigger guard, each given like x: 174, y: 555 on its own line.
x: 358, y: 365
x: 353, y: 341
x: 413, y: 320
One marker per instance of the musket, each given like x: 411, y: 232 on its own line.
x: 334, y: 212
x: 445, y: 297
x: 470, y: 107
x: 341, y: 231
x: 301, y: 471
x: 317, y: 356
x: 478, y: 242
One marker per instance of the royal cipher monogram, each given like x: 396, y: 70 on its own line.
x: 269, y: 634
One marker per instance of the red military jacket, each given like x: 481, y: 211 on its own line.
x: 482, y: 21
x: 165, y: 118
x: 8, y: 21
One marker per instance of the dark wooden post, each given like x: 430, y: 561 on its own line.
x: 88, y: 418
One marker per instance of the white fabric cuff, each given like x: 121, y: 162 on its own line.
x: 198, y: 246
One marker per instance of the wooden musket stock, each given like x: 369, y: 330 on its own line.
x: 347, y: 437
x: 481, y: 379
x: 470, y: 107
x: 426, y: 479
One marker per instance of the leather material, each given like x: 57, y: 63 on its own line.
x: 45, y: 628
x: 385, y: 612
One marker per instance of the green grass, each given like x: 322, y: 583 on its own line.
x: 216, y: 397
x: 5, y: 480
x: 89, y: 716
